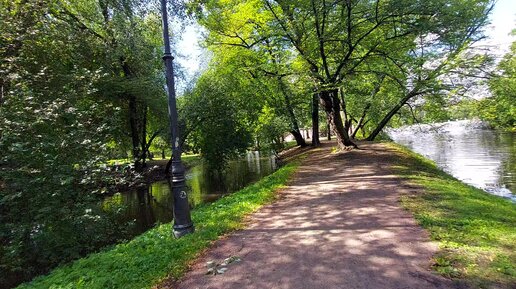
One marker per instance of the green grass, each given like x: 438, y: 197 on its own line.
x: 189, y: 160
x: 476, y: 231
x: 154, y: 255
x: 289, y: 145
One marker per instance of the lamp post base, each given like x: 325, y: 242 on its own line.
x: 181, y: 230
x: 182, y: 221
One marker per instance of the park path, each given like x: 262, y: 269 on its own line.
x: 338, y: 224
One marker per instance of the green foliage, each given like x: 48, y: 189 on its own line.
x: 81, y: 82
x: 314, y: 46
x: 64, y: 102
x: 270, y: 129
x: 271, y: 73
x: 465, y: 109
x: 219, y: 114
x: 475, y: 230
x: 500, y: 110
x: 160, y: 145
x: 154, y: 255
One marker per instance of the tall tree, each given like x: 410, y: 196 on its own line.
x: 335, y: 38
x: 500, y: 109
x: 234, y: 34
x: 127, y: 33
x: 74, y: 77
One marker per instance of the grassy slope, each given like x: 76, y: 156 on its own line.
x: 143, y: 261
x: 476, y: 231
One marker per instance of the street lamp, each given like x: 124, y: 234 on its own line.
x: 182, y: 221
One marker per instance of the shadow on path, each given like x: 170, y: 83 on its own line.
x: 338, y: 225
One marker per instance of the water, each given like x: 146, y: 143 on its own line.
x: 469, y: 151
x: 145, y: 207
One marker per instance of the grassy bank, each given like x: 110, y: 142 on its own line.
x: 189, y: 160
x: 476, y: 231
x: 154, y: 255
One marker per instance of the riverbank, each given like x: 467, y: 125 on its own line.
x: 120, y: 175
x: 154, y: 255
x: 340, y: 223
x: 476, y: 231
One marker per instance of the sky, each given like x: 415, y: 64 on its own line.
x: 189, y: 49
x: 503, y: 20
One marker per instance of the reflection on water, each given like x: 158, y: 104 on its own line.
x: 147, y: 206
x: 469, y: 151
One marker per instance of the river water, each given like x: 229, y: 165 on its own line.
x: 145, y: 207
x: 468, y: 150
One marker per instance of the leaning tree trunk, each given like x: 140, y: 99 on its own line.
x: 347, y: 118
x: 389, y: 115
x: 298, y: 137
x: 295, y: 131
x: 169, y: 165
x: 331, y: 103
x: 360, y: 122
x: 315, y: 120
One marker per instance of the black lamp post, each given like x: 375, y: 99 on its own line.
x: 182, y: 222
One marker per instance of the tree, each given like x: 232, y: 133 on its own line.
x: 53, y: 134
x: 128, y: 37
x: 219, y: 115
x: 338, y: 38
x: 232, y: 39
x: 500, y: 110
x: 75, y: 77
x: 271, y: 128
x: 335, y: 39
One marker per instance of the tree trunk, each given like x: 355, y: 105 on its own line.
x: 298, y: 137
x: 328, y: 129
x: 296, y: 132
x: 143, y: 136
x: 149, y: 143
x: 360, y: 122
x: 347, y: 118
x: 315, y: 120
x: 169, y: 165
x: 133, y: 123
x: 288, y: 105
x: 3, y: 90
x: 331, y: 102
x: 389, y: 115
